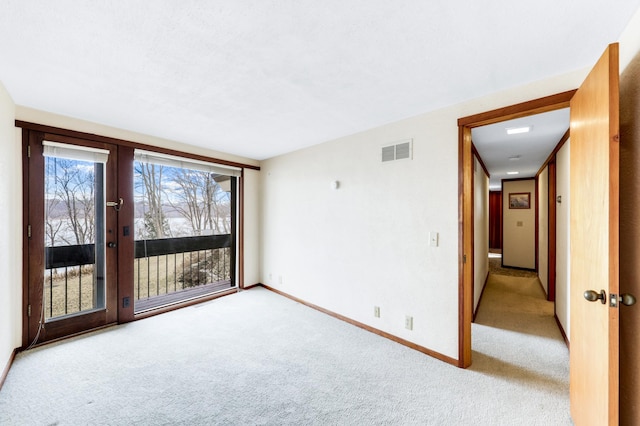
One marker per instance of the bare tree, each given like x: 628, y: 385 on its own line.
x: 151, y: 181
x: 201, y: 201
x: 52, y: 224
x: 74, y: 188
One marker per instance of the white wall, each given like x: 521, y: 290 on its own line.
x: 366, y: 243
x: 519, y: 226
x: 563, y: 266
x: 481, y: 231
x: 543, y: 229
x: 10, y: 229
x: 251, y: 227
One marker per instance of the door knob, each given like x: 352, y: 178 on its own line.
x: 627, y: 299
x: 592, y: 296
x: 111, y: 244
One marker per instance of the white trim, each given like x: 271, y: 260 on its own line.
x: 74, y: 152
x: 185, y: 163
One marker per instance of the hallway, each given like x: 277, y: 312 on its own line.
x: 515, y: 336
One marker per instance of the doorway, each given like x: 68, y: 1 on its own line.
x: 495, y: 221
x: 466, y: 163
x: 72, y: 263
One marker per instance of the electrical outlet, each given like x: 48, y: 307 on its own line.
x: 125, y: 302
x: 408, y: 322
x: 376, y: 311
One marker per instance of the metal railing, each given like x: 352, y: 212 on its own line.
x: 170, y: 265
x: 161, y: 267
x: 69, y: 281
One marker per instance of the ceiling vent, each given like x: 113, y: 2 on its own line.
x: 397, y: 151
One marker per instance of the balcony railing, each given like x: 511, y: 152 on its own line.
x: 165, y: 271
x: 172, y: 269
x: 69, y: 281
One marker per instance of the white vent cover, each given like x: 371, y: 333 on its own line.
x: 397, y: 151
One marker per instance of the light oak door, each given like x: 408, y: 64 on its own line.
x: 594, y: 366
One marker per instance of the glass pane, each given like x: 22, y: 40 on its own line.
x: 182, y: 232
x: 74, y: 279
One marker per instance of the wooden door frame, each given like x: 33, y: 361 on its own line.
x: 465, y: 203
x: 553, y: 214
x: 34, y: 330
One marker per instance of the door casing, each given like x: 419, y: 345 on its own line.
x: 465, y: 203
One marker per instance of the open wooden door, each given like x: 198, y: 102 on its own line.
x: 594, y: 365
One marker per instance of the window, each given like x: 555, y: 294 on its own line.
x: 183, y: 225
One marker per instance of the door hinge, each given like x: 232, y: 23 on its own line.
x: 464, y: 258
x: 28, y: 310
x: 28, y: 231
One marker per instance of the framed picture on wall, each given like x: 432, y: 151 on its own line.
x: 519, y: 200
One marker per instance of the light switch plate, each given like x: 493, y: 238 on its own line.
x: 433, y: 239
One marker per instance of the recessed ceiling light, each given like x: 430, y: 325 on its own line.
x: 517, y: 130
x: 512, y: 173
x: 514, y: 157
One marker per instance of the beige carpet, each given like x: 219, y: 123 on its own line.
x: 515, y: 336
x: 495, y: 267
x: 256, y: 358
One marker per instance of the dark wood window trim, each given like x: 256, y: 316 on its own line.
x: 123, y: 142
x: 125, y: 188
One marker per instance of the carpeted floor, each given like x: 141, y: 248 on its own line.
x: 495, y: 267
x: 256, y: 358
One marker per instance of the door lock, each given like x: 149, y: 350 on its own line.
x: 624, y: 299
x: 111, y: 244
x: 117, y: 205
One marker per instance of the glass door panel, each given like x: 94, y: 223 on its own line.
x: 74, y: 271
x: 72, y: 244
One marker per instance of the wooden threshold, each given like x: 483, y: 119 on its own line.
x: 224, y: 291
x: 154, y: 302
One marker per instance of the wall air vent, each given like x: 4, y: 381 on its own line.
x: 397, y: 151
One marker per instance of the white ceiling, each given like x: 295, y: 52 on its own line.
x: 524, y: 153
x: 260, y: 78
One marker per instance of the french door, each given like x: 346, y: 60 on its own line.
x: 72, y: 210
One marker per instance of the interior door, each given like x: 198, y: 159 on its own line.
x: 495, y: 220
x: 594, y: 244
x: 72, y: 238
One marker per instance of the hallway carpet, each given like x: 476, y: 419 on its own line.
x: 495, y: 267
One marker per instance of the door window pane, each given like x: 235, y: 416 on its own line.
x: 74, y: 236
